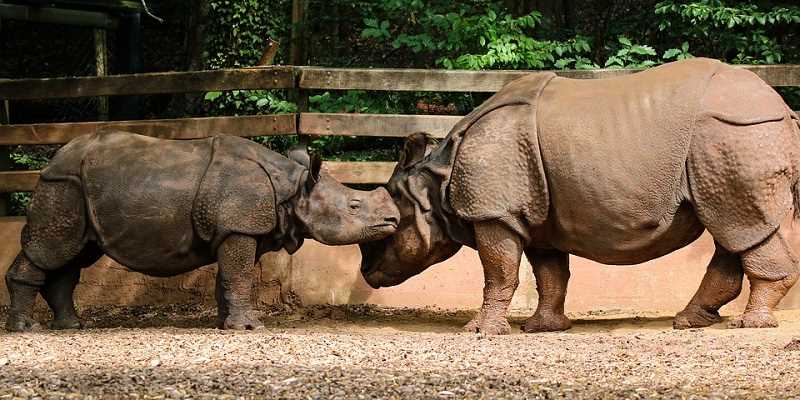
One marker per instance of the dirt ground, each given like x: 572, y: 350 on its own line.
x: 370, y: 352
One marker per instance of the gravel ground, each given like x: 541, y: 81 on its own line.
x: 369, y: 352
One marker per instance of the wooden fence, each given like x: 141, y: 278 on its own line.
x: 277, y: 77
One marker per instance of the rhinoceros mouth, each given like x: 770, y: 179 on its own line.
x: 374, y: 278
x: 385, y: 227
x: 379, y: 231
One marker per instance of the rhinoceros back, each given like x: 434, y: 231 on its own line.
x: 139, y: 195
x: 615, y: 152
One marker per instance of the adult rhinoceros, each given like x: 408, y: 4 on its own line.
x: 164, y: 207
x: 619, y: 171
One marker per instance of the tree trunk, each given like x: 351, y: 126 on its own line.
x: 188, y: 104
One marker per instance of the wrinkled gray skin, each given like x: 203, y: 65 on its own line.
x: 619, y: 171
x: 165, y: 207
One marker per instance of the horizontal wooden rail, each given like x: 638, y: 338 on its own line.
x: 377, y: 172
x: 274, y: 77
x: 58, y: 16
x: 384, y: 125
x: 480, y: 81
x: 18, y: 181
x: 149, y: 83
x: 183, y: 128
x: 345, y: 172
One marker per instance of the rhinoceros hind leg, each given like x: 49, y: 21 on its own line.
x: 59, y: 286
x: 23, y: 280
x: 551, y: 270
x: 721, y: 284
x: 236, y: 258
x: 772, y: 268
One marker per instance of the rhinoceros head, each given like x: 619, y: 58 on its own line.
x: 334, y: 214
x: 421, y: 239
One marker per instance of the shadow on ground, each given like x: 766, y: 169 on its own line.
x: 325, y: 317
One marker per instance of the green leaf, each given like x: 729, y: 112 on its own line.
x: 671, y: 53
x: 625, y: 41
x: 613, y: 60
x: 563, y: 63
x: 211, y: 96
x: 643, y: 50
x: 262, y: 102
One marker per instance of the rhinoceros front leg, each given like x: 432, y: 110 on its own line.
x: 500, y: 250
x: 236, y: 258
x: 551, y: 270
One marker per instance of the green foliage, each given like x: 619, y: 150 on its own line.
x: 29, y: 160
x: 737, y: 33
x: 238, y: 30
x: 236, y: 37
x: 475, y: 36
x: 375, y: 29
x: 249, y: 102
x: 33, y: 158
x: 19, y: 203
x: 352, y: 101
x: 632, y: 55
x: 678, y: 54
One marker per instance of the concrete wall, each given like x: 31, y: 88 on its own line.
x: 322, y: 274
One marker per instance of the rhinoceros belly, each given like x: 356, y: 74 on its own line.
x: 614, y: 242
x: 139, y: 194
x: 614, y: 154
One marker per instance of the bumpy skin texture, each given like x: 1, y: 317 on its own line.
x: 165, y: 207
x: 619, y: 171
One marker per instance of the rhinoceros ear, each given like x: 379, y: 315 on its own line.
x: 316, y: 167
x: 299, y: 154
x: 313, y: 163
x: 414, y: 149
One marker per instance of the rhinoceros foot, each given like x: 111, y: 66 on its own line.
x: 243, y: 321
x: 754, y: 319
x: 541, y: 322
x: 695, y: 317
x: 488, y: 325
x: 65, y: 323
x: 21, y: 323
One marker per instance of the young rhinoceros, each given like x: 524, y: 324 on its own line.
x: 165, y: 207
x: 619, y: 171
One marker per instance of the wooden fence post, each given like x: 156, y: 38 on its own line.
x: 297, y: 52
x: 129, y: 56
x: 299, y: 57
x: 5, y: 158
x: 101, y: 62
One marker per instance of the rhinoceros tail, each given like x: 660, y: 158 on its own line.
x: 796, y: 200
x: 796, y: 187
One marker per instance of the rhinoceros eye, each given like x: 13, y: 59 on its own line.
x: 355, y: 204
